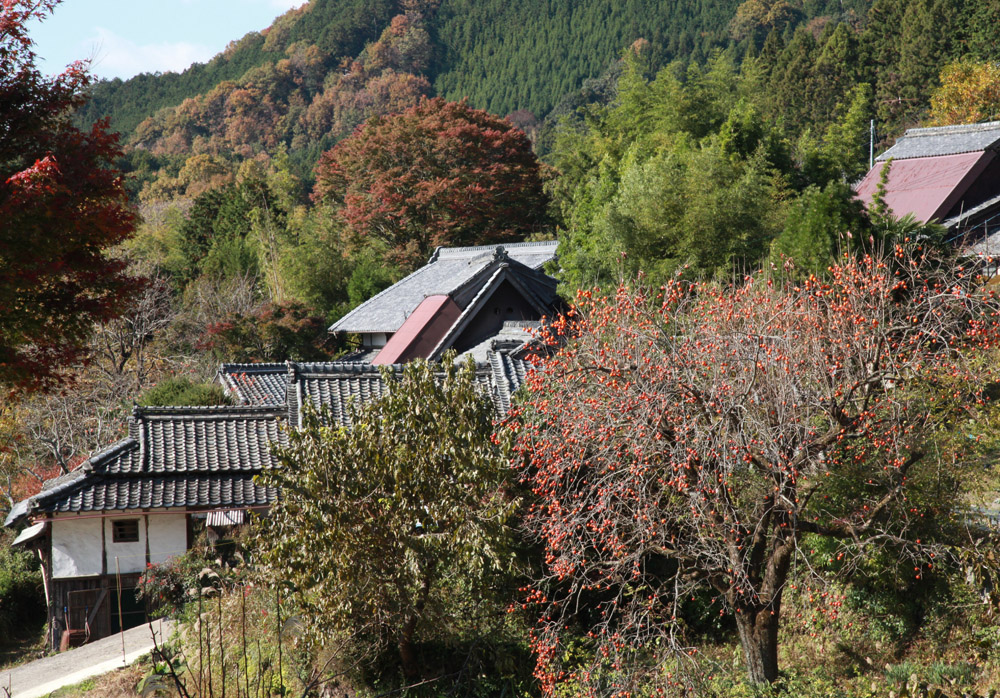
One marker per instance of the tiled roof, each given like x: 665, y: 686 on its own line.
x: 448, y: 272
x: 255, y: 384
x: 513, y: 335
x: 105, y: 493
x: 537, y: 288
x: 334, y: 385
x: 338, y: 385
x: 206, y: 439
x: 173, y: 457
x: 944, y: 140
x: 207, y: 456
x: 531, y: 254
x: 508, y: 374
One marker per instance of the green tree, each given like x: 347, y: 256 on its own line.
x: 820, y: 227
x: 679, y: 173
x: 407, y: 504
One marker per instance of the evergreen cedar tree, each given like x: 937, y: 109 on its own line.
x: 694, y: 437
x: 406, y: 549
x: 440, y: 173
x: 62, y: 205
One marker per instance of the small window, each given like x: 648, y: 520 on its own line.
x: 125, y: 531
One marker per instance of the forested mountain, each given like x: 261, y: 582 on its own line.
x: 337, y: 28
x: 503, y: 56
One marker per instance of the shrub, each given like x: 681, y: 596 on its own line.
x: 183, y: 391
x: 22, y: 600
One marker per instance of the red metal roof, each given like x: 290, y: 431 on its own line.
x: 927, y: 187
x: 421, y: 331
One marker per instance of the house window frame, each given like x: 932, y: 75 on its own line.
x: 127, y: 536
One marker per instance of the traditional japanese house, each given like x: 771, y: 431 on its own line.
x: 181, y: 470
x: 459, y: 299
x: 184, y: 469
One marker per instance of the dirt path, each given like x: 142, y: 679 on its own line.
x: 41, y: 677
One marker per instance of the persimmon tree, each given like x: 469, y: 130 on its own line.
x: 385, y: 526
x: 62, y: 206
x: 439, y: 173
x: 693, y: 436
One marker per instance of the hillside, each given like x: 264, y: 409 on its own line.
x: 340, y: 28
x: 502, y: 56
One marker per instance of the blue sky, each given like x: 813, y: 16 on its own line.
x: 126, y: 37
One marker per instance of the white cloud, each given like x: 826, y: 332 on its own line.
x: 116, y: 56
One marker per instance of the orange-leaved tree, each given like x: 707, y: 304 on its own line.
x: 62, y: 206
x: 969, y: 92
x: 692, y: 436
x: 439, y: 173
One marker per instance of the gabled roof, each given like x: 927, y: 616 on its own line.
x: 335, y: 385
x: 173, y: 457
x: 944, y: 140
x: 513, y: 336
x: 929, y: 187
x: 339, y: 385
x: 508, y: 372
x: 537, y: 288
x: 450, y: 271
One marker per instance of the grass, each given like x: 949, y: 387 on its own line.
x: 120, y: 683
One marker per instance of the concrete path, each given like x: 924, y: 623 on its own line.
x: 40, y: 677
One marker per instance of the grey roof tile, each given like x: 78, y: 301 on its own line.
x: 337, y: 386
x: 513, y: 335
x: 447, y: 272
x: 255, y: 384
x: 944, y: 140
x: 178, y: 457
x: 106, y: 493
x: 207, y: 456
x: 508, y: 375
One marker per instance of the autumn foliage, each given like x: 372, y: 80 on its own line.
x: 62, y: 205
x: 440, y: 173
x: 692, y: 437
x: 969, y: 92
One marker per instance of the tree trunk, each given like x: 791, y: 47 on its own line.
x: 407, y: 657
x: 758, y: 630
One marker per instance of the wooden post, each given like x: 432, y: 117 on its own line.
x: 121, y: 625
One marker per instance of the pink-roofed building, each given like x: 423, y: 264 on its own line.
x: 946, y: 174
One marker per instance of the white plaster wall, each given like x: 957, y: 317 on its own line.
x: 76, y: 547
x: 167, y: 536
x: 131, y: 556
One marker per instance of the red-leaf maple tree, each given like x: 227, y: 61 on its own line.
x: 692, y: 436
x: 62, y: 206
x: 439, y: 173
